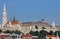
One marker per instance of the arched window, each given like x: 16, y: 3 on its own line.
x: 36, y: 27
x: 43, y: 28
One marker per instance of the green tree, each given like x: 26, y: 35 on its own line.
x: 7, y: 31
x: 55, y: 33
x: 59, y: 33
x: 36, y: 33
x: 17, y: 32
x: 32, y: 33
x: 51, y: 33
x: 0, y: 31
x: 42, y: 34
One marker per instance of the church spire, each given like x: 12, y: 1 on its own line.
x: 4, y: 7
x: 54, y: 27
x: 53, y: 24
x: 4, y: 19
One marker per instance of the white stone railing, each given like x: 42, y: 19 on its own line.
x: 45, y: 30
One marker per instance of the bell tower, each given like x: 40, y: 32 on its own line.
x: 4, y: 19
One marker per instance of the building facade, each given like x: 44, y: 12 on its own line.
x: 26, y: 27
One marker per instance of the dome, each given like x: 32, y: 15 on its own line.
x: 42, y: 22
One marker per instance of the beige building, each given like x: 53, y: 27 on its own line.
x: 26, y: 27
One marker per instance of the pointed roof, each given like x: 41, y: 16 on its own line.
x: 53, y: 24
x: 4, y: 7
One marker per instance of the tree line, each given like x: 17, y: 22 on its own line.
x: 11, y: 32
x: 42, y: 34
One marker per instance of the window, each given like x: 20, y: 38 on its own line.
x: 36, y: 27
x: 43, y: 28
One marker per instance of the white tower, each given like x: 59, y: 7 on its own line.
x: 54, y: 27
x: 4, y: 19
x: 53, y: 24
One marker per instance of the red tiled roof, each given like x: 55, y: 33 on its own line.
x: 51, y: 36
x: 14, y: 22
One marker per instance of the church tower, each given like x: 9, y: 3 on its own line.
x: 53, y: 24
x: 54, y: 27
x: 4, y: 19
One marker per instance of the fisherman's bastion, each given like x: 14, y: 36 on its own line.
x: 25, y: 27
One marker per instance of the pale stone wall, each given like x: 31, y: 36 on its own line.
x: 27, y: 29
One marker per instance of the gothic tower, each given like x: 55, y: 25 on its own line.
x: 4, y: 19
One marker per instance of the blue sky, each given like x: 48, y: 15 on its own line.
x: 32, y: 10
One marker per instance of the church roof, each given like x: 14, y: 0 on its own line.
x: 14, y: 22
x: 51, y: 36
